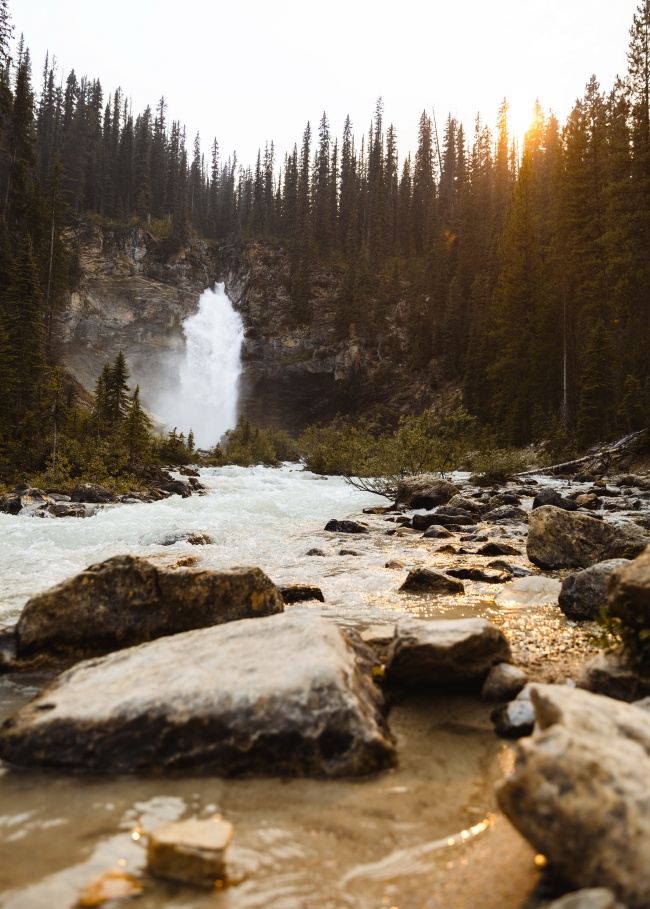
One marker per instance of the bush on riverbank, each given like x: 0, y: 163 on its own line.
x: 248, y: 445
x: 372, y: 459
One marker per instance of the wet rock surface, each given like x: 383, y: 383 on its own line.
x: 562, y: 539
x: 335, y: 526
x: 299, y: 593
x: 425, y: 491
x: 445, y: 652
x: 426, y: 580
x: 285, y: 695
x: 191, y: 852
x: 588, y: 766
x: 504, y: 682
x: 127, y: 600
x: 584, y: 593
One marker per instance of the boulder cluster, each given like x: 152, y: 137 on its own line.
x: 204, y: 672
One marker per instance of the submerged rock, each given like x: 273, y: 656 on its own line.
x: 563, y: 539
x: 481, y: 575
x: 127, y: 600
x: 584, y: 593
x: 335, y: 526
x: 286, y: 695
x: 298, y: 593
x: 426, y: 580
x: 445, y: 651
x: 191, y: 852
x: 424, y: 491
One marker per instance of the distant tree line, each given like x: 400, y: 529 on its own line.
x: 523, y: 273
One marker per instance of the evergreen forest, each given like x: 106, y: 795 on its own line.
x: 521, y: 267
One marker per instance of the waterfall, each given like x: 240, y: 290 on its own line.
x: 204, y: 395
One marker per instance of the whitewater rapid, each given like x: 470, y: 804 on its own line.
x: 203, y: 394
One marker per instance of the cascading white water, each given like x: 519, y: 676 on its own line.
x: 204, y: 397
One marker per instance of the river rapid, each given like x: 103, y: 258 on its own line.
x: 426, y: 834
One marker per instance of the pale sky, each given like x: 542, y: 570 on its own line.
x: 248, y: 71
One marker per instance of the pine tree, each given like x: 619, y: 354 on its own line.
x: 25, y: 326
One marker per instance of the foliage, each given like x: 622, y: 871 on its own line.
x: 436, y: 441
x: 627, y: 627
x: 247, y: 445
x: 494, y: 466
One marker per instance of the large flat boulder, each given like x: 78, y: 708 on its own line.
x: 284, y: 695
x: 425, y: 490
x: 583, y: 801
x: 445, y: 651
x: 565, y: 539
x: 126, y: 601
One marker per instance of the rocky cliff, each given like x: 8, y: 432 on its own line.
x: 135, y: 291
x: 296, y: 374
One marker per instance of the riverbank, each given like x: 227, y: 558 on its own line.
x: 384, y: 841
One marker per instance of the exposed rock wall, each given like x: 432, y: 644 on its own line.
x: 135, y: 291
x: 298, y: 374
x: 133, y: 295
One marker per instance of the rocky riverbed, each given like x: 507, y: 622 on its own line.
x: 429, y: 593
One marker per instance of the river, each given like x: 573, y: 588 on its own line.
x: 405, y: 838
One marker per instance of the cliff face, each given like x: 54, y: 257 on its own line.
x: 135, y: 292
x: 133, y: 295
x: 299, y: 374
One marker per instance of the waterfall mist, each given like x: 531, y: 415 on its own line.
x: 200, y: 389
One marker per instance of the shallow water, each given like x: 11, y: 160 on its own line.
x: 427, y: 834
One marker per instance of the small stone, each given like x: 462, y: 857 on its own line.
x: 504, y: 682
x: 335, y: 526
x: 395, y: 565
x: 496, y: 549
x: 191, y: 852
x: 517, y: 571
x: 481, y: 575
x: 437, y: 532
x: 349, y: 552
x: 315, y: 552
x: 548, y: 496
x: 299, y: 593
x: 515, y: 719
x: 426, y: 580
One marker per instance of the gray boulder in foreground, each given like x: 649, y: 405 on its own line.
x: 584, y: 593
x: 580, y: 791
x: 127, y: 600
x: 285, y: 695
x: 584, y: 803
x: 566, y: 539
x: 445, y: 651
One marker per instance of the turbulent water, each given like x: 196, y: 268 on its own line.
x: 203, y: 394
x: 256, y: 516
x: 406, y: 838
